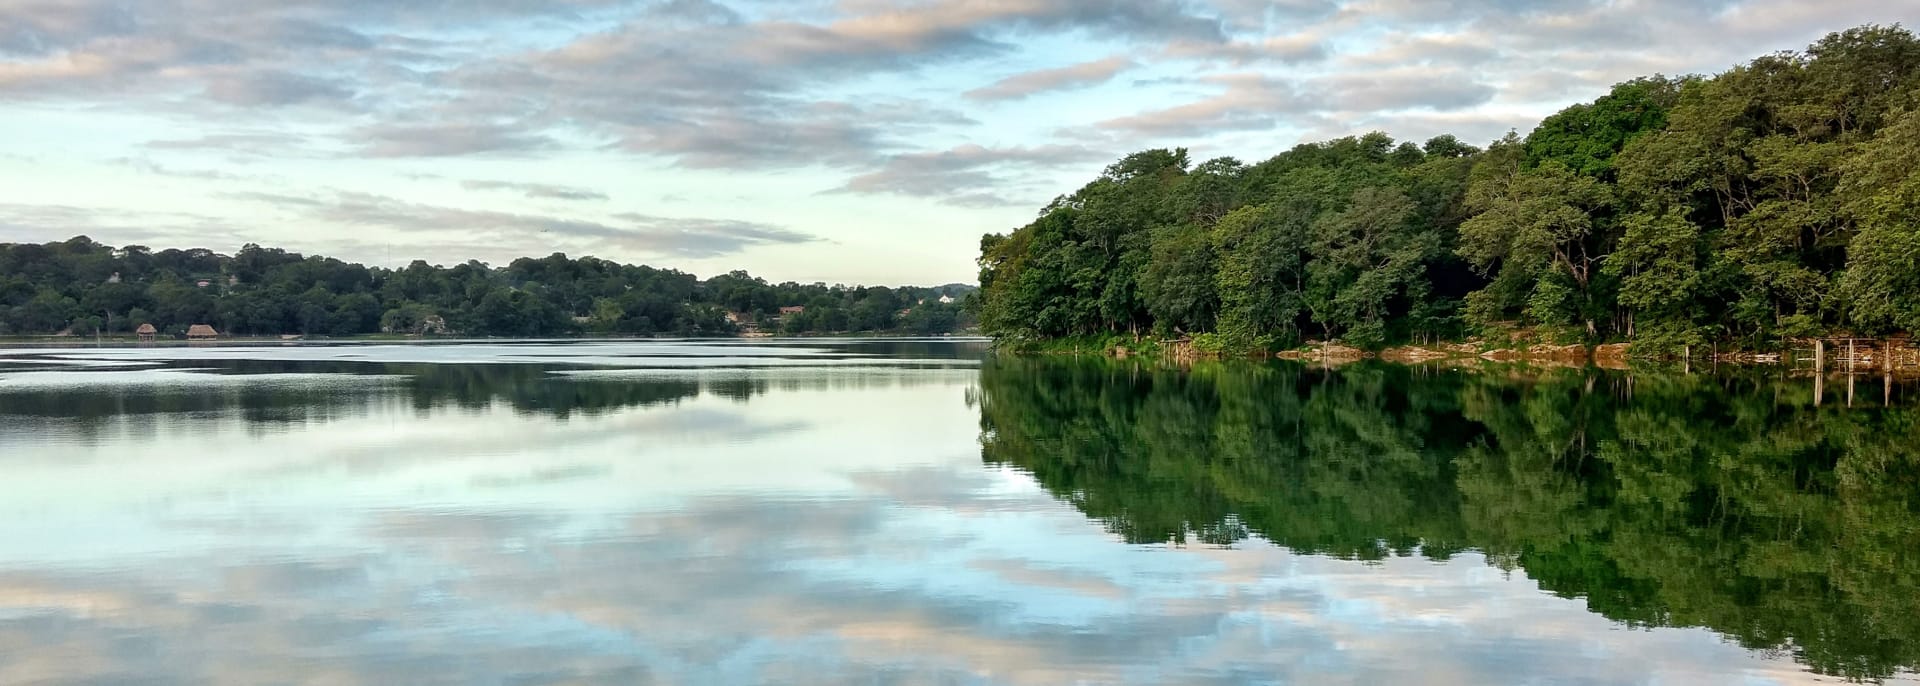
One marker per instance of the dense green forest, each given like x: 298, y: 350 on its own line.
x: 82, y: 287
x: 1779, y: 199
x: 1730, y: 502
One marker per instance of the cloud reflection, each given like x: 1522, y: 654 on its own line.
x: 823, y: 532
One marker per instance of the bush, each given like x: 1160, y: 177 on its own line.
x: 1210, y: 344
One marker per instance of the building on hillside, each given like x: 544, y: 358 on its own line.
x: 791, y: 310
x: 146, y: 332
x: 201, y: 332
x: 946, y: 299
x: 115, y: 278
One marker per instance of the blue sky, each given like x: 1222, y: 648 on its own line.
x: 858, y: 141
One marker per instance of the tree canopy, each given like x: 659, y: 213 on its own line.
x: 79, y: 286
x: 1777, y: 200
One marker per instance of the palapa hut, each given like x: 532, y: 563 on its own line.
x: 201, y: 332
x: 146, y: 332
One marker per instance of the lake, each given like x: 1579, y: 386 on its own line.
x: 918, y: 511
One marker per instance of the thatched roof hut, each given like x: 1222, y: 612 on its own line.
x: 201, y: 332
x: 146, y: 332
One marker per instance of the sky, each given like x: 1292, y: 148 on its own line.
x: 845, y: 141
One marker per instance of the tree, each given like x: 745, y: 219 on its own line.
x: 48, y: 288
x: 607, y: 314
x: 358, y: 313
x: 1535, y: 228
x: 1178, y: 283
x: 1882, y: 282
x: 1367, y: 257
x: 1769, y: 202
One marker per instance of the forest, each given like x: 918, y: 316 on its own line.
x: 1733, y: 502
x: 1774, y: 201
x: 82, y: 288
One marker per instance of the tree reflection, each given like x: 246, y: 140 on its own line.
x: 1733, y: 503
x: 318, y: 391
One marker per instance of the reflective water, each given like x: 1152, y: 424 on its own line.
x: 915, y: 512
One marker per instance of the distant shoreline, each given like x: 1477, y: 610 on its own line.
x: 78, y: 342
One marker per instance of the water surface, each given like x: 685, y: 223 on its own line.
x: 697, y: 512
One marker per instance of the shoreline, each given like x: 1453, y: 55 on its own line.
x: 76, y: 342
x: 1898, y: 356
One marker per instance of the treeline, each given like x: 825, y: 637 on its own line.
x: 1780, y: 199
x: 1734, y: 503
x: 81, y: 287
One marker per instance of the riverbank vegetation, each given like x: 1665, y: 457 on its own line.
x: 1777, y: 200
x: 80, y: 287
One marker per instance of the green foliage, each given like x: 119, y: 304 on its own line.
x: 1178, y: 283
x: 1734, y: 504
x: 1211, y: 344
x: 1776, y: 200
x: 1882, y: 189
x: 81, y: 287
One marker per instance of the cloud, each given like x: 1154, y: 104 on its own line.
x: 1403, y: 88
x: 1415, y: 49
x: 449, y: 140
x: 25, y: 222
x: 1083, y: 75
x: 628, y: 233
x: 277, y: 88
x: 149, y: 166
x: 1248, y: 101
x: 864, y: 96
x: 253, y: 142
x: 1258, y: 15
x: 964, y: 175
x: 808, y: 589
x: 536, y: 190
x: 1287, y: 50
x: 690, y: 237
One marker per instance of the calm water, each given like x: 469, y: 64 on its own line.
x: 912, y: 512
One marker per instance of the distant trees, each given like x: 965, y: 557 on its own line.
x: 82, y: 287
x: 1776, y: 200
